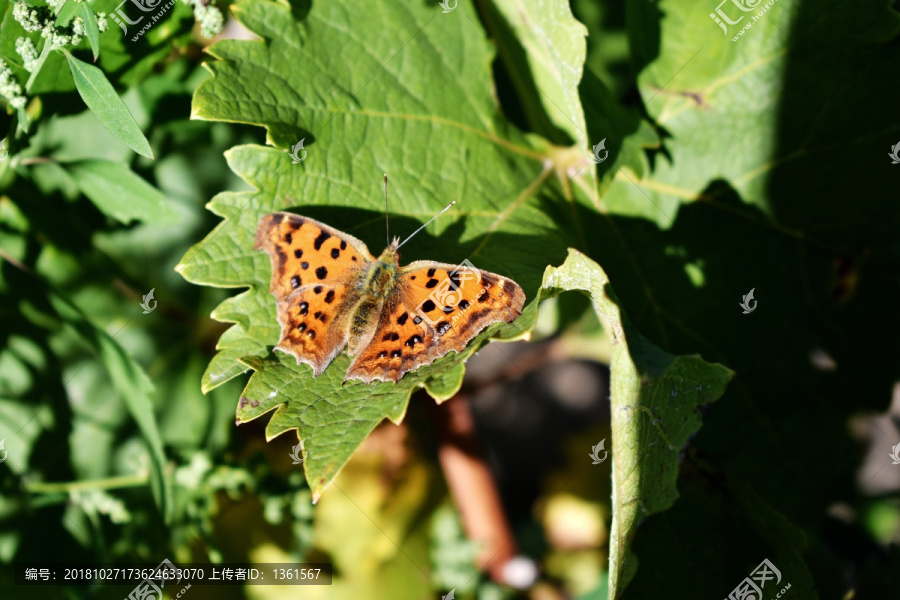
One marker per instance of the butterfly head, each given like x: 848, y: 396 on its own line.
x: 390, y: 256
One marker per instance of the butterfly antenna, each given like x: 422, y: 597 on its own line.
x: 446, y: 208
x: 387, y: 233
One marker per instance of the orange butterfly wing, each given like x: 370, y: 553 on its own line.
x: 316, y: 280
x: 433, y: 309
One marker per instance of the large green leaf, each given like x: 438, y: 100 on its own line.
x: 546, y: 49
x: 752, y: 198
x: 425, y: 116
x: 655, y: 403
x: 410, y: 95
x: 723, y: 102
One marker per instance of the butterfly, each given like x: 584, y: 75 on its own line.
x: 331, y: 293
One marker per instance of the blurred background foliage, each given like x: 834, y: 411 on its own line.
x: 114, y: 454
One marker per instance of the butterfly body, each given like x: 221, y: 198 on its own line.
x: 331, y: 293
x: 380, y: 277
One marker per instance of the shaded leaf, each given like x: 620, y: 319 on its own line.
x: 655, y: 403
x: 120, y: 193
x: 133, y: 386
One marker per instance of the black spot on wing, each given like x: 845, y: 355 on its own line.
x: 443, y: 327
x: 329, y: 297
x: 304, y: 265
x: 323, y: 237
x: 317, y: 289
x: 396, y: 354
x: 335, y: 253
x: 382, y: 354
x: 288, y: 237
x: 301, y: 326
x: 431, y: 272
x: 343, y: 245
x: 321, y: 272
x: 277, y: 219
x: 298, y: 253
x: 295, y: 281
x: 431, y: 283
x: 390, y: 337
x: 416, y: 339
x: 304, y: 308
x: 401, y: 320
x: 428, y: 306
x: 463, y: 304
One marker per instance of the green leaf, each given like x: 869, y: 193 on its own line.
x: 500, y: 201
x: 65, y: 13
x: 90, y: 29
x: 547, y: 49
x: 512, y: 216
x: 102, y: 99
x: 655, y: 403
x: 696, y: 89
x: 119, y: 193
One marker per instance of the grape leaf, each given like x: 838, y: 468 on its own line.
x: 410, y: 95
x: 355, y: 113
x: 655, y: 403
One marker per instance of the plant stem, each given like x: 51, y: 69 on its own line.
x: 109, y: 483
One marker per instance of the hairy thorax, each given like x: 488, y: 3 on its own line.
x: 377, y: 283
